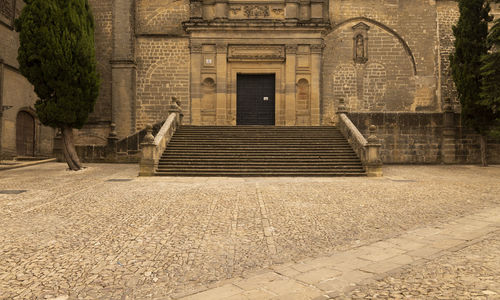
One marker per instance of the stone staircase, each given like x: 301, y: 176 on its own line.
x: 259, y: 151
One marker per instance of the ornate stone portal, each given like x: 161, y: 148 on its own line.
x: 228, y: 38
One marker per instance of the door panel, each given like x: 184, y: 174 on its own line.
x: 255, y: 99
x: 25, y: 134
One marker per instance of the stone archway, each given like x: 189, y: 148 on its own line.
x: 25, y: 134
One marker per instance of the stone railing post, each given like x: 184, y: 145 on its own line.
x: 147, y: 165
x: 58, y: 146
x: 111, y: 147
x: 342, y: 108
x: 175, y: 107
x: 448, y: 150
x: 372, y: 149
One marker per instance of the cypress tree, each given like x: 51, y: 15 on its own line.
x: 471, y: 33
x: 57, y: 56
x: 490, y: 72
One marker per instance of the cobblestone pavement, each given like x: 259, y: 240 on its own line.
x: 90, y: 234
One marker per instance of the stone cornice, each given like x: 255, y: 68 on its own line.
x: 199, y: 25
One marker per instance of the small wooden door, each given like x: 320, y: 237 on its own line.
x: 25, y: 134
x: 255, y: 99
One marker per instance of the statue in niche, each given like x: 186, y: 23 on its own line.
x: 360, y: 49
x: 360, y: 46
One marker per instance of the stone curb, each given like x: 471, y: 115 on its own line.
x: 331, y: 276
x: 27, y: 164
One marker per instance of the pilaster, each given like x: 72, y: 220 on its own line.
x: 221, y: 84
x: 196, y: 50
x: 290, y: 74
x: 123, y: 68
x: 316, y: 51
x: 448, y: 150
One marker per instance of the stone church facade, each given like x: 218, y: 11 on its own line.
x: 377, y: 55
x: 387, y: 60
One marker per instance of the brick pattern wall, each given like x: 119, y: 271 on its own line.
x: 103, y: 18
x: 448, y: 14
x: 385, y: 82
x: 162, y: 72
x: 161, y: 16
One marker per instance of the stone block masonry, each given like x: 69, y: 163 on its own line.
x: 447, y: 16
x: 161, y: 16
x: 102, y: 11
x: 418, y: 138
x: 162, y: 73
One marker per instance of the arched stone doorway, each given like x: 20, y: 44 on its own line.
x: 25, y: 134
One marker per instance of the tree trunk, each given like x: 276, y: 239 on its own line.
x: 69, y: 149
x: 484, y: 143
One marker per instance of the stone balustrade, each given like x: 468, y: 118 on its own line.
x: 368, y: 150
x: 154, y: 146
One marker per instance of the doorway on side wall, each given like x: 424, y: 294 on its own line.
x: 25, y: 134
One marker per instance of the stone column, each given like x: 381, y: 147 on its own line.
x: 221, y: 9
x: 123, y: 68
x: 316, y: 51
x: 292, y: 10
x: 448, y: 150
x: 373, y: 162
x: 290, y: 85
x: 221, y: 84
x: 196, y: 83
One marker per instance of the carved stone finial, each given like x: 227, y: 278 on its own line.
x: 176, y: 101
x: 372, y: 138
x: 112, y: 132
x: 342, y: 108
x: 149, y: 138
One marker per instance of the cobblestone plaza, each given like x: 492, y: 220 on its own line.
x: 103, y: 233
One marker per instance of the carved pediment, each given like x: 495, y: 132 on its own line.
x: 256, y: 53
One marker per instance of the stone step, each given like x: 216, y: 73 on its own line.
x: 256, y: 165
x: 259, y: 173
x: 259, y: 151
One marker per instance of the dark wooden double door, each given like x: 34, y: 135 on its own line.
x: 255, y: 99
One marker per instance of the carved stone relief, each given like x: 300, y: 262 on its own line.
x: 256, y: 11
x: 256, y: 53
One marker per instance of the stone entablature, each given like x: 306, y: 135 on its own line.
x: 291, y: 10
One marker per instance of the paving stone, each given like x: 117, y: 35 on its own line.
x: 289, y: 287
x: 217, y: 293
x: 318, y: 275
x: 375, y: 254
x: 424, y: 252
x: 257, y: 281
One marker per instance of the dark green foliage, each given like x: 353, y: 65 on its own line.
x: 57, y: 56
x: 490, y: 72
x: 471, y: 32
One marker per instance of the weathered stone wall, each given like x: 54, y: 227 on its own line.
x: 102, y: 11
x: 162, y: 73
x: 417, y: 138
x: 399, y: 72
x: 161, y: 16
x: 16, y: 92
x: 447, y: 14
